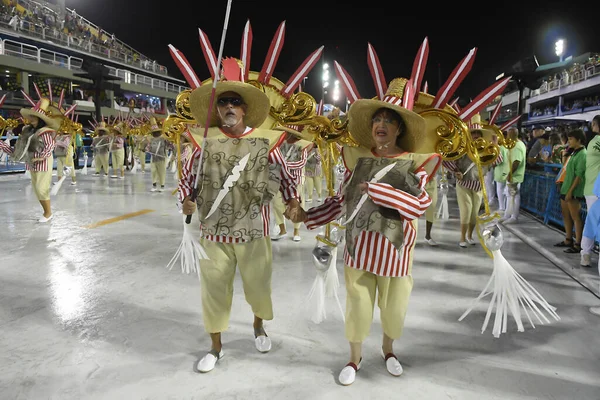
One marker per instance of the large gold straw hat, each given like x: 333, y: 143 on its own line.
x: 398, y: 98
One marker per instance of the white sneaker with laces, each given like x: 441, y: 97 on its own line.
x: 586, y: 260
x: 471, y: 241
x: 208, y: 362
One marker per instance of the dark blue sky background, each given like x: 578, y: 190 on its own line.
x: 503, y: 36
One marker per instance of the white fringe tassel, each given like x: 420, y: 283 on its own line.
x: 511, y: 292
x: 442, y: 212
x: 136, y: 162
x: 190, y: 251
x: 174, y: 167
x: 83, y: 170
x: 325, y: 285
x: 27, y: 174
x: 56, y: 187
x: 93, y: 165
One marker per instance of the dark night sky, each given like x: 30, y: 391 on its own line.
x: 396, y: 31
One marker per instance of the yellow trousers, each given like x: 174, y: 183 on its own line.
x: 392, y: 299
x: 469, y: 202
x: 314, y: 182
x: 432, y: 191
x: 159, y: 172
x: 142, y: 157
x: 118, y: 158
x: 101, y: 161
x: 279, y: 206
x: 255, y: 261
x: 40, y: 181
x: 61, y: 162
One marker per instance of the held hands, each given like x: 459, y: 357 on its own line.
x: 294, y: 212
x: 189, y: 206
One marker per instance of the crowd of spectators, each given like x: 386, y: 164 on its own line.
x: 34, y: 19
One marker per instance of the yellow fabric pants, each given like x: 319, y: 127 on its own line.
x: 118, y: 158
x: 159, y: 172
x: 255, y: 261
x: 314, y: 182
x: 469, y: 202
x: 142, y: 157
x: 392, y: 299
x: 101, y: 161
x: 61, y: 162
x: 432, y: 190
x: 40, y: 181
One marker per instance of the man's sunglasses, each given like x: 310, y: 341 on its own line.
x: 234, y: 101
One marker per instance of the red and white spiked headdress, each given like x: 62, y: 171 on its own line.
x: 52, y: 113
x: 264, y: 92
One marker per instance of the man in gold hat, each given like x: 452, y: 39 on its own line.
x: 158, y: 147
x: 383, y: 195
x: 101, y: 146
x: 34, y: 146
x: 242, y: 170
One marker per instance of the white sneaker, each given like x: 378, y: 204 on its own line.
x: 586, y: 260
x: 510, y: 220
x: 308, y: 200
x: 162, y: 188
x: 121, y: 177
x: 262, y: 343
x: 595, y: 311
x: 348, y: 373
x: 296, y: 238
x: 154, y: 189
x: 463, y: 244
x: 73, y: 183
x: 431, y: 242
x: 208, y: 362
x: 113, y: 176
x: 471, y: 241
x: 43, y: 220
x: 392, y: 364
x: 278, y: 236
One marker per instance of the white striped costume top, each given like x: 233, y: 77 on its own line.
x: 47, y: 139
x: 374, y: 252
x: 287, y: 188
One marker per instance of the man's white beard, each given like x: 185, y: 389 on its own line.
x: 230, y: 120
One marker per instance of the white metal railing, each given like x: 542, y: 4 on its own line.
x: 45, y: 56
x: 567, y: 79
x: 125, y: 53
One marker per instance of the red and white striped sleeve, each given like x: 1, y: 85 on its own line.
x: 498, y: 160
x: 48, y: 141
x: 288, y: 182
x: 5, y: 147
x: 409, y: 206
x: 330, y: 210
x: 450, y: 165
x: 188, y: 176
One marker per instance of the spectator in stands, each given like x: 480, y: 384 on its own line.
x: 537, y: 131
x: 571, y: 192
x: 558, y: 151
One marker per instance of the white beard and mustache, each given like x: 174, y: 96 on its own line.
x: 229, y: 120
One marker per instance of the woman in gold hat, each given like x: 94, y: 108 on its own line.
x: 381, y: 229
x: 100, y: 146
x: 64, y: 155
x: 34, y: 146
